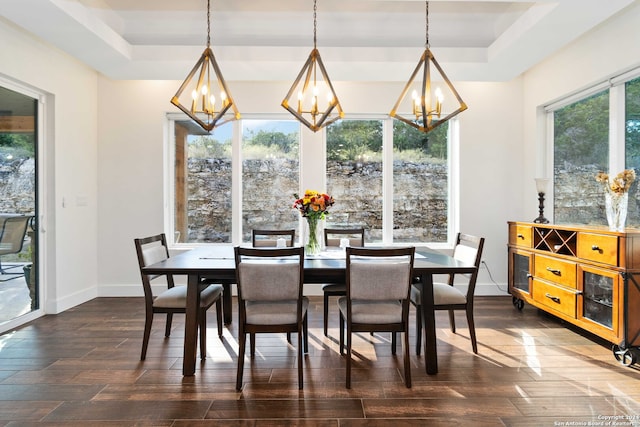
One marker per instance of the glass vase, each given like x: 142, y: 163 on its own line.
x: 616, y: 208
x: 314, y: 237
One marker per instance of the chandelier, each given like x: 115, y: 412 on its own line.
x: 428, y: 106
x: 312, y: 99
x: 203, y: 95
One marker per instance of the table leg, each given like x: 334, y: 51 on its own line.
x: 226, y: 303
x: 429, y: 324
x: 191, y: 325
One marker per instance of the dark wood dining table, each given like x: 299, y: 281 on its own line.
x: 216, y: 263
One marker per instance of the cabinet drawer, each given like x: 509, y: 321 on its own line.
x: 555, y: 298
x: 598, y: 247
x: 555, y: 270
x: 520, y: 235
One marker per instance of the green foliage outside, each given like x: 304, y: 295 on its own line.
x: 346, y: 140
x: 581, y: 132
x: 17, y: 146
x: 632, y: 137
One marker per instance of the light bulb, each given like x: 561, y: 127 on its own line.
x: 205, y: 89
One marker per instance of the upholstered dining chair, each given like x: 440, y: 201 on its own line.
x: 13, y: 230
x: 270, y: 298
x: 151, y: 250
x: 447, y: 297
x: 377, y: 299
x: 269, y: 238
x: 332, y: 238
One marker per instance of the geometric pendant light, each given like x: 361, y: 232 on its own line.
x: 312, y: 99
x: 203, y: 95
x: 433, y: 99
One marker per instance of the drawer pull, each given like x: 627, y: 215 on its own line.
x: 596, y: 248
x: 552, y: 298
x: 554, y: 271
x: 520, y: 236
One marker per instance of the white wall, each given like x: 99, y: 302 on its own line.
x: 69, y: 161
x: 131, y: 143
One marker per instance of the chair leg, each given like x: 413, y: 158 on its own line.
x: 326, y: 313
x: 241, y: 349
x: 252, y: 344
x: 348, y: 383
x: 341, y: 334
x: 305, y: 333
x: 148, y: 321
x: 300, y: 340
x: 407, y: 361
x: 393, y: 343
x: 452, y: 321
x: 203, y: 333
x: 418, y: 330
x: 472, y: 330
x: 289, y: 337
x: 219, y: 316
x: 167, y: 328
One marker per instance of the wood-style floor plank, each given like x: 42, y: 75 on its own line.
x: 82, y: 367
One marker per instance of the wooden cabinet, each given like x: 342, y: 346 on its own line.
x: 588, y: 276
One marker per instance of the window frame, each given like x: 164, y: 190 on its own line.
x: 617, y: 120
x: 310, y: 144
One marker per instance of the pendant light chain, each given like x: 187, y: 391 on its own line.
x: 208, y: 23
x: 315, y: 22
x: 426, y: 43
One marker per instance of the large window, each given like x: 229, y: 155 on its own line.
x: 244, y: 174
x: 581, y: 150
x: 354, y: 175
x: 597, y: 132
x: 270, y: 174
x: 420, y: 184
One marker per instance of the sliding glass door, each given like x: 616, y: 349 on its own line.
x: 19, y: 292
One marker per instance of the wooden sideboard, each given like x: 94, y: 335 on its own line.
x: 586, y: 275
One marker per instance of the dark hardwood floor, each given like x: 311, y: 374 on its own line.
x: 82, y: 368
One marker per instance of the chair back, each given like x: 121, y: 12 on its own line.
x: 12, y: 234
x: 468, y: 249
x: 269, y: 274
x: 151, y: 250
x: 269, y: 238
x: 333, y: 236
x: 379, y: 274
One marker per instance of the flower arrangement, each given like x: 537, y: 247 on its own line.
x: 314, y: 206
x: 616, y: 197
x: 620, y: 184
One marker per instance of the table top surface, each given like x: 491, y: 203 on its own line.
x: 220, y: 258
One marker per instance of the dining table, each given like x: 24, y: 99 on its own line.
x: 216, y: 264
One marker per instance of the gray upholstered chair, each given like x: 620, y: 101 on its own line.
x: 269, y: 238
x: 13, y: 229
x: 270, y: 298
x: 332, y: 238
x: 151, y: 250
x: 468, y: 249
x: 377, y: 300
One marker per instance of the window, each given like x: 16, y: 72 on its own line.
x: 202, y: 212
x: 243, y: 176
x: 581, y: 150
x: 420, y: 184
x: 270, y: 174
x: 599, y: 131
x: 354, y: 175
x: 632, y: 146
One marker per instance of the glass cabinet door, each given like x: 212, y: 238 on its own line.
x: 599, y: 302
x: 520, y: 270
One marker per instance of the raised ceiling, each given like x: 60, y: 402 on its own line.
x: 359, y: 40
